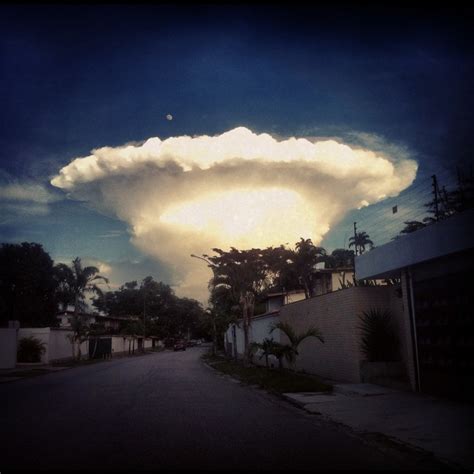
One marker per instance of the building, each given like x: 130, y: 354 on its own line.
x: 435, y: 265
x: 110, y: 323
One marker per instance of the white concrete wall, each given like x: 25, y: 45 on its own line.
x: 293, y: 297
x: 119, y: 344
x: 148, y: 343
x: 58, y: 346
x: 8, y: 348
x: 259, y: 330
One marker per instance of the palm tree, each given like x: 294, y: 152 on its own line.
x: 360, y: 241
x: 291, y: 350
x: 305, y: 257
x: 76, y: 281
x: 267, y: 346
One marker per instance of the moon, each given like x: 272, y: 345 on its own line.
x: 169, y: 117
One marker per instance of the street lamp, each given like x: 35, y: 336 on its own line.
x: 213, y: 318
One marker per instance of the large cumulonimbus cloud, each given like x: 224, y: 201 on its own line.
x: 187, y: 195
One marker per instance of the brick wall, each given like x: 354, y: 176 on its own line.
x: 335, y: 315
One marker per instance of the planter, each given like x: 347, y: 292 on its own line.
x: 370, y: 372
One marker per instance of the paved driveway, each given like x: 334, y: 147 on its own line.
x: 166, y: 410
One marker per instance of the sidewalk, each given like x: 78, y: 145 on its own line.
x: 440, y: 427
x: 27, y: 370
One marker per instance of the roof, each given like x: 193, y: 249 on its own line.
x: 446, y: 237
x: 99, y: 316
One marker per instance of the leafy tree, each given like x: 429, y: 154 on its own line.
x: 360, y: 241
x: 161, y: 312
x: 340, y: 258
x: 27, y: 285
x: 412, y: 226
x: 295, y: 339
x: 304, y: 260
x: 243, y: 275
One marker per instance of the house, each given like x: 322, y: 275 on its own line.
x: 435, y: 265
x: 111, y: 323
x: 332, y: 279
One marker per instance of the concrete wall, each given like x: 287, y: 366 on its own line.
x: 336, y: 316
x: 259, y: 330
x: 8, y: 348
x: 58, y: 346
x: 119, y: 344
x: 148, y: 343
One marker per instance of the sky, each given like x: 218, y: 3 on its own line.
x: 133, y: 136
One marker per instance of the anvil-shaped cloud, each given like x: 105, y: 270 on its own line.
x: 186, y: 194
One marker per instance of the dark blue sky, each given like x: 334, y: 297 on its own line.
x: 76, y: 78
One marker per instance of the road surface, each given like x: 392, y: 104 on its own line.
x: 167, y: 410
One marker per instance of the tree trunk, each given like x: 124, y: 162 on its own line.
x: 247, y: 302
x: 214, y: 335
x: 79, y: 353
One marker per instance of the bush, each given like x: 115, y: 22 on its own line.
x: 379, y: 341
x: 30, y: 349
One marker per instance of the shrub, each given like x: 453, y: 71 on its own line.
x: 30, y: 349
x: 379, y: 341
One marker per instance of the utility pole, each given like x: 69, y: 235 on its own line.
x: 211, y: 311
x: 144, y: 318
x: 355, y: 237
x: 435, y: 191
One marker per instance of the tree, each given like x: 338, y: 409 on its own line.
x: 80, y: 334
x: 445, y: 203
x: 360, y: 241
x: 30, y: 349
x: 267, y: 347
x: 27, y: 285
x: 340, y: 258
x: 76, y: 281
x: 161, y: 312
x: 295, y: 339
x: 243, y: 276
x: 304, y: 259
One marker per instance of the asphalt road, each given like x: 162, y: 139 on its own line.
x: 167, y: 411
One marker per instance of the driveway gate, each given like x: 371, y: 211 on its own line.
x: 100, y: 348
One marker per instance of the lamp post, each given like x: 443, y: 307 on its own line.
x: 213, y: 318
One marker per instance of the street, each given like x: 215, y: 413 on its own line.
x: 167, y: 410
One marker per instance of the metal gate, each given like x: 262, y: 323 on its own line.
x: 100, y: 348
x: 445, y: 335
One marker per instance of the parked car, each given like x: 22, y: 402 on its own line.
x: 179, y: 346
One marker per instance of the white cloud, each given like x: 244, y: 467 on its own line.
x: 186, y: 194
x: 24, y: 199
x: 21, y: 192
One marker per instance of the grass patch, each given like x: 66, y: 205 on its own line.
x: 273, y: 380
